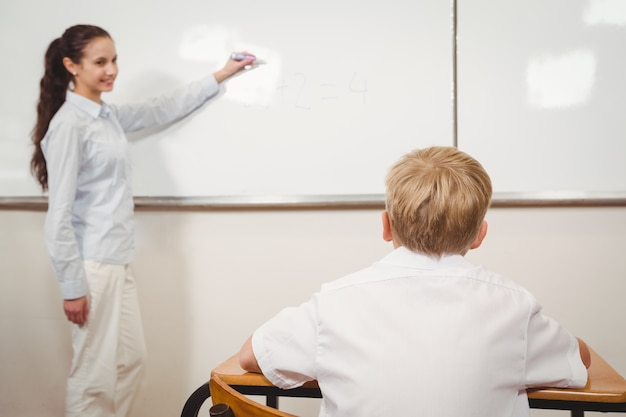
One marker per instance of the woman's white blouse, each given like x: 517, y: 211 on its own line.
x: 90, y: 198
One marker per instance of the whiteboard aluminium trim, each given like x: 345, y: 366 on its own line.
x: 332, y: 202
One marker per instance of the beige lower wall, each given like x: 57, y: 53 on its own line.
x: 207, y: 279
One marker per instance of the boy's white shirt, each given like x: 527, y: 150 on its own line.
x: 457, y: 314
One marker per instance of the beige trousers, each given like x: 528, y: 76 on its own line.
x: 109, y: 350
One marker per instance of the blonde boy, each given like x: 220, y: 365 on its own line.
x: 422, y: 331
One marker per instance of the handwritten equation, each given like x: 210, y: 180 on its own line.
x: 304, y: 92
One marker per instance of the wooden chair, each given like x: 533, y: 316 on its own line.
x: 238, y: 404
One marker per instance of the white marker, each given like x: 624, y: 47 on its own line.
x: 242, y: 57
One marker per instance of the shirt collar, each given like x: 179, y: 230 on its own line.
x: 92, y: 108
x: 406, y: 257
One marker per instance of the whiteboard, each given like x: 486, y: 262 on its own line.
x: 349, y: 86
x: 541, y: 94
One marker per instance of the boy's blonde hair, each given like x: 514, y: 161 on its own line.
x: 437, y: 199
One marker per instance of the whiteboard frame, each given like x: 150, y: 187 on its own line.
x: 331, y: 202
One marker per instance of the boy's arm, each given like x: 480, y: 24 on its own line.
x: 585, y: 355
x: 248, y: 361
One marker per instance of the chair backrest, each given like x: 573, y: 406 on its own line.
x: 241, y: 406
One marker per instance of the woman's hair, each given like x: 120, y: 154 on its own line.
x: 53, y: 87
x: 437, y: 199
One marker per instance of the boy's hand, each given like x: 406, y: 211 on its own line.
x: 585, y: 355
x: 247, y: 360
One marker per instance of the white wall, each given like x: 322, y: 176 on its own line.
x: 207, y: 279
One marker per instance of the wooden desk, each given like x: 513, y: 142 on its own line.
x: 605, y: 391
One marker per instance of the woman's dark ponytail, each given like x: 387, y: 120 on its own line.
x: 52, y: 88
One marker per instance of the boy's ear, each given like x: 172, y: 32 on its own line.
x: 387, y: 232
x: 482, y: 232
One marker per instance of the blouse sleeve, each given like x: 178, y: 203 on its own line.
x: 168, y: 107
x: 62, y: 151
